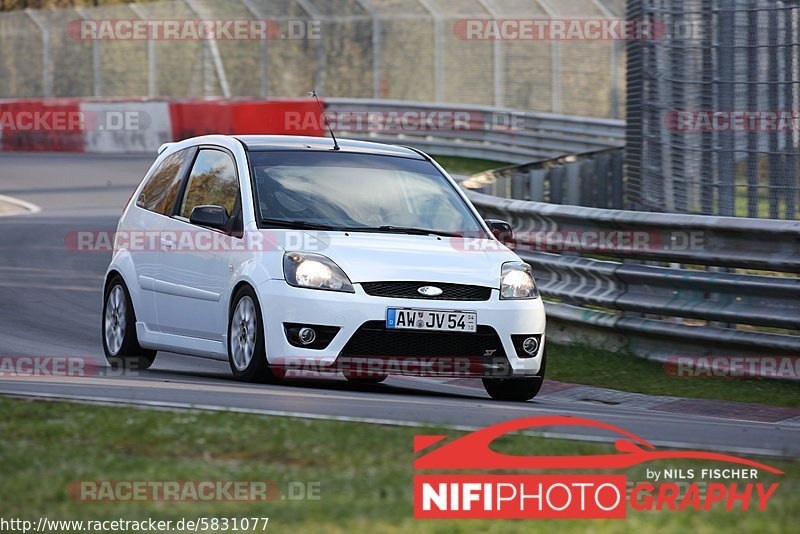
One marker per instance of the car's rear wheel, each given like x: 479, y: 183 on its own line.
x: 516, y: 389
x: 246, y: 349
x: 120, y: 342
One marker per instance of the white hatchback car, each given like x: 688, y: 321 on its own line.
x: 284, y: 254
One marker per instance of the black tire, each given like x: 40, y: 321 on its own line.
x: 126, y: 354
x: 257, y: 369
x: 365, y: 378
x: 516, y: 389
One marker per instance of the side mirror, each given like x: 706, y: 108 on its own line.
x: 209, y: 216
x: 501, y: 230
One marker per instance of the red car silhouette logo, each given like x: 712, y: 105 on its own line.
x: 473, y: 451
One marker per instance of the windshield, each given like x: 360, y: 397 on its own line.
x: 359, y: 192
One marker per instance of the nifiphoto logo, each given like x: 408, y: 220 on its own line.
x: 747, y: 485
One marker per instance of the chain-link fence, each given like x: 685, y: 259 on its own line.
x: 714, y: 108
x: 387, y: 49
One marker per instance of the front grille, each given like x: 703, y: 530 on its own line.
x: 372, y: 339
x: 408, y: 290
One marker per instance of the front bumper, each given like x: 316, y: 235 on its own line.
x: 358, y: 312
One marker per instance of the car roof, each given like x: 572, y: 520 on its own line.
x: 297, y: 142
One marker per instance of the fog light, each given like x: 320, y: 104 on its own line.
x: 530, y: 345
x: 306, y: 336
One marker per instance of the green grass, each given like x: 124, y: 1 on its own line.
x: 365, y: 471
x: 583, y: 364
x: 467, y: 166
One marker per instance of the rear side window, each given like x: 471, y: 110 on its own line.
x: 162, y: 190
x: 212, y: 182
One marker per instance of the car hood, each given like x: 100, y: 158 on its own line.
x: 371, y: 257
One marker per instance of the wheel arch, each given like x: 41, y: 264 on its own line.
x: 239, y: 285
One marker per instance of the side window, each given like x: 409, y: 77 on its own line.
x: 162, y: 190
x: 212, y: 182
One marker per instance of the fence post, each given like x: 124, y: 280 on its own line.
x: 555, y: 66
x: 498, y: 62
x: 213, y: 51
x: 614, y: 50
x: 376, y: 47
x: 322, y: 59
x: 708, y: 103
x: 47, y: 72
x: 263, y: 52
x: 438, y: 63
x: 634, y: 96
x: 727, y: 101
x: 97, y: 85
x: 752, y: 104
x: 152, y: 72
x: 789, y: 175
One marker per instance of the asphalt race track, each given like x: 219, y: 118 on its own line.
x: 50, y: 301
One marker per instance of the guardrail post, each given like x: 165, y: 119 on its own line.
x: 603, y: 178
x: 536, y: 184
x: 556, y: 176
x: 588, y: 180
x: 617, y: 180
x: 518, y: 183
x: 573, y: 183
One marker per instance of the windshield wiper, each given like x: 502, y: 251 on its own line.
x: 403, y: 230
x: 304, y: 225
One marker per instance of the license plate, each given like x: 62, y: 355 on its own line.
x: 410, y: 319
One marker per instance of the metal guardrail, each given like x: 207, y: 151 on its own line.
x: 734, y: 290
x: 669, y: 310
x: 493, y: 133
x: 589, y: 179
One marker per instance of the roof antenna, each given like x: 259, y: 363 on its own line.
x: 322, y: 110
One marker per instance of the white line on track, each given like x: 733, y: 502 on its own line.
x: 30, y: 207
x: 170, y: 405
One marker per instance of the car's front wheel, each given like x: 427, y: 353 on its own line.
x: 120, y: 341
x: 516, y: 389
x: 246, y: 349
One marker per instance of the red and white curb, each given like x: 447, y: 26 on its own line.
x: 122, y: 126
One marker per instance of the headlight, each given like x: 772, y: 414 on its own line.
x: 516, y: 281
x: 314, y: 271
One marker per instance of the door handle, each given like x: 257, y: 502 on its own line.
x: 166, y: 244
